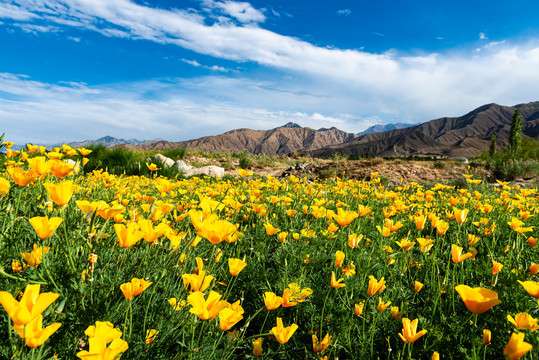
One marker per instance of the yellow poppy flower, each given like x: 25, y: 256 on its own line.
x: 477, y: 300
x: 283, y: 334
x: 409, y: 331
x: 44, y: 226
x: 60, y: 193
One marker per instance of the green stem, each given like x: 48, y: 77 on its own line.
x: 323, y: 309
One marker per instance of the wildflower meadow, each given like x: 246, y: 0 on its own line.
x: 98, y: 266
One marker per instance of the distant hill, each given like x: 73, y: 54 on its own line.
x: 382, y: 128
x: 284, y: 140
x: 107, y: 141
x: 464, y: 136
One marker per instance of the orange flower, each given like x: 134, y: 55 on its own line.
x: 235, y: 266
x: 515, y: 223
x: 319, y: 347
x: 270, y: 229
x: 197, y: 282
x: 44, y: 226
x: 496, y: 267
x: 60, y: 193
x: 272, y: 301
x: 35, y: 257
x: 531, y: 287
x: 216, y: 231
x: 336, y: 283
x: 441, y: 227
x: 84, y: 151
x: 283, y: 334
x: 257, y: 347
x: 39, y: 165
x: 460, y: 215
x: 418, y: 286
x: 244, y: 173
x: 533, y: 269
x: 152, y: 167
x: 409, y: 331
x: 456, y: 254
x: 206, y: 308
x: 288, y: 299
x: 339, y: 258
x: 61, y: 169
x: 128, y: 236
x: 516, y: 347
x: 135, y: 287
x: 420, y: 222
x: 31, y: 306
x: 395, y: 314
x: 375, y: 286
x: 426, y: 244
x: 344, y: 218
x: 487, y: 336
x: 405, y: 245
x: 349, y: 269
x: 33, y: 333
x: 20, y: 177
x: 477, y: 300
x: 150, y: 336
x: 358, y: 308
x: 354, y: 239
x: 228, y: 317
x: 4, y: 186
x: 523, y: 321
x: 382, y: 305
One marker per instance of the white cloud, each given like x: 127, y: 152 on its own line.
x: 34, y: 29
x: 344, y: 12
x: 483, y: 36
x: 241, y: 11
x: 212, y: 68
x: 192, y: 62
x: 15, y: 12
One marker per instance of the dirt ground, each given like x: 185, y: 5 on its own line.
x: 395, y: 171
x: 426, y: 172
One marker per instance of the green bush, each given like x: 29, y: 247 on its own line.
x: 245, y: 160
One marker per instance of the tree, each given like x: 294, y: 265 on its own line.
x: 514, y: 134
x: 492, y: 150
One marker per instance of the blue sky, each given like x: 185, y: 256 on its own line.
x: 72, y: 70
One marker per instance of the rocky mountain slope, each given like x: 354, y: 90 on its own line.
x: 285, y: 140
x: 464, y: 136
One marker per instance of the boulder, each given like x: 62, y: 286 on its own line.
x: 182, y: 166
x: 207, y: 171
x: 168, y: 162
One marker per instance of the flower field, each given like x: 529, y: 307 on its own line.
x: 96, y: 266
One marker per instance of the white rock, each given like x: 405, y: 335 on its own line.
x: 168, y: 162
x: 182, y: 166
x: 207, y: 171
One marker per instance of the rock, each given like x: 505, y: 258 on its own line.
x: 182, y: 166
x: 168, y: 162
x: 207, y: 171
x: 463, y: 160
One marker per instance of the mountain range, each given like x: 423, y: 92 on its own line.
x: 464, y: 136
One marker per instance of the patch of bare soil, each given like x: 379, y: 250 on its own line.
x: 394, y: 170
